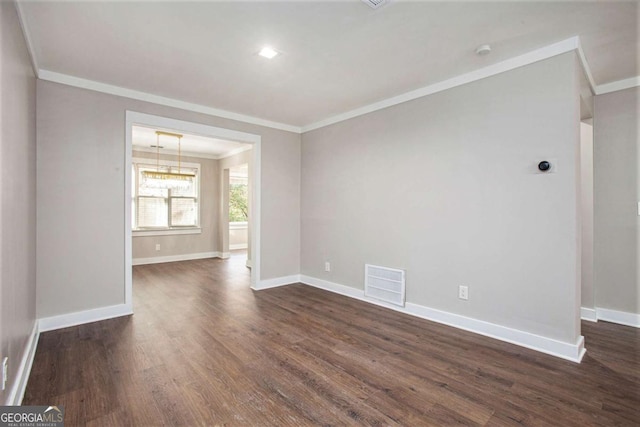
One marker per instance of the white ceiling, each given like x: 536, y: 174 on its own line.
x: 336, y: 55
x: 143, y: 138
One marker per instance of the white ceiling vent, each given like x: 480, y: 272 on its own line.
x: 385, y: 284
x: 374, y: 4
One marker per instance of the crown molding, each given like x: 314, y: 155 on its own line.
x: 78, y: 82
x: 585, y: 66
x: 564, y: 46
x: 618, y: 85
x: 27, y: 37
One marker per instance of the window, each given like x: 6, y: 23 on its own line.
x: 238, y: 195
x: 164, y: 209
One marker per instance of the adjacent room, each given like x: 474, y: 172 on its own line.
x: 353, y: 212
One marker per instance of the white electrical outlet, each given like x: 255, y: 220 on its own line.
x: 463, y: 292
x: 327, y: 266
x: 157, y: 246
x: 5, y: 372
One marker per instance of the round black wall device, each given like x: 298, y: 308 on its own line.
x: 544, y: 166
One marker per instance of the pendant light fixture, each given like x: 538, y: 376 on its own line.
x: 167, y: 179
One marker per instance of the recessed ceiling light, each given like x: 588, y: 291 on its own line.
x: 483, y: 49
x: 268, y: 52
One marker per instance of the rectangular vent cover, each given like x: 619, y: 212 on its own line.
x: 385, y: 284
x: 374, y: 4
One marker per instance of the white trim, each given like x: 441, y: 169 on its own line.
x: 238, y: 246
x: 243, y: 225
x: 276, y: 282
x: 169, y: 232
x: 128, y: 201
x: 618, y: 85
x: 619, y: 317
x: 225, y: 255
x: 546, y: 52
x: 564, y: 46
x: 572, y: 352
x: 81, y: 317
x: 585, y: 66
x: 78, y: 82
x: 173, y: 258
x: 27, y: 37
x: 16, y: 394
x: 135, y: 118
x: 588, y: 314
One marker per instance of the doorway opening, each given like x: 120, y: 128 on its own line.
x: 186, y: 220
x: 239, y: 211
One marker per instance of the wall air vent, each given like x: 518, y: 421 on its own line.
x: 384, y: 284
x: 374, y: 4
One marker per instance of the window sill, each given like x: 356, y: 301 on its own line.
x: 167, y: 232
x: 238, y: 225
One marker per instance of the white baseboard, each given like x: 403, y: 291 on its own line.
x: 620, y: 317
x: 275, y: 282
x: 568, y: 351
x: 248, y: 263
x: 238, y: 246
x: 588, y: 314
x: 16, y: 394
x: 223, y: 255
x: 183, y: 257
x: 82, y: 317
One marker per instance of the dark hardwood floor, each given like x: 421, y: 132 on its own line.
x: 203, y: 349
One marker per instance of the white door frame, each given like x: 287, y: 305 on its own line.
x: 135, y: 118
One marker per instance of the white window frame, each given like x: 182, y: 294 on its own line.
x: 138, y: 162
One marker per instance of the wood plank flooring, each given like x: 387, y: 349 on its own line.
x: 203, y: 349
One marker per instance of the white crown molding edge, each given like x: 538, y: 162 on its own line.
x: 81, y: 317
x: 618, y: 85
x: 27, y: 37
x: 16, y: 393
x: 173, y: 258
x: 81, y: 83
x: 585, y: 66
x: 564, y: 46
x: 546, y: 52
x: 563, y: 350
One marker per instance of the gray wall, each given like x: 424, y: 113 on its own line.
x: 17, y: 193
x: 184, y: 244
x: 446, y: 188
x: 81, y: 152
x: 617, y: 192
